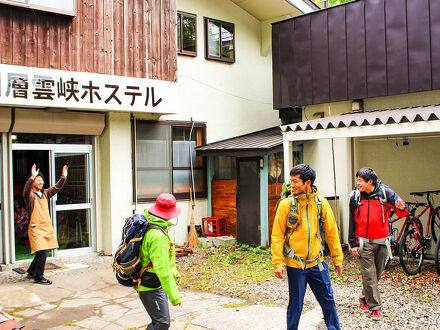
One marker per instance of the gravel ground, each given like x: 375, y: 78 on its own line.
x: 407, y: 303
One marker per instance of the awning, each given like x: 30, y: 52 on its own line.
x: 254, y: 144
x: 402, y: 121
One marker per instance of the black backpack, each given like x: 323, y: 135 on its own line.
x: 127, y: 261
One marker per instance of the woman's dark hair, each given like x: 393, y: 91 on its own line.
x: 367, y: 174
x: 305, y: 172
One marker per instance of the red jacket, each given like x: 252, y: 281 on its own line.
x: 366, y: 217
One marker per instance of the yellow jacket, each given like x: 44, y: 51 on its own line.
x: 304, y: 239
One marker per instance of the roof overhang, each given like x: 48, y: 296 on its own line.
x: 258, y: 143
x: 265, y: 10
x: 404, y: 121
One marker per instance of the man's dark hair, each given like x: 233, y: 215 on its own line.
x: 305, y: 172
x: 40, y: 174
x: 367, y: 174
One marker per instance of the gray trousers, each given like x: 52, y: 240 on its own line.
x: 372, y: 264
x: 156, y: 304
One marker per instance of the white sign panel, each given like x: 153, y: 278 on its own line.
x: 27, y: 86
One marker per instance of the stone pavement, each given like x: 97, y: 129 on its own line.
x: 90, y: 298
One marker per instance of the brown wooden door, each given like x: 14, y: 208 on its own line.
x: 248, y: 201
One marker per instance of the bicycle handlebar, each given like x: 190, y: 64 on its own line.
x: 416, y: 204
x: 421, y: 193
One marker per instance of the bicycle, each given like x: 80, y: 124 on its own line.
x: 434, y: 213
x: 414, y: 243
x: 410, y: 223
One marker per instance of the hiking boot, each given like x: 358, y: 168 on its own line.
x: 43, y: 281
x: 363, y: 305
x: 376, y: 315
x: 30, y: 276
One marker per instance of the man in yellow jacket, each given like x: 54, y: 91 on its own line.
x: 296, y: 243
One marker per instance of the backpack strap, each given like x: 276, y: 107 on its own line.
x: 383, y: 201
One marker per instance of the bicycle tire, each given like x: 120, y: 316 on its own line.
x: 435, y: 224
x: 437, y: 257
x: 411, y: 252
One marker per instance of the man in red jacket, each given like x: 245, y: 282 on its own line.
x: 370, y: 208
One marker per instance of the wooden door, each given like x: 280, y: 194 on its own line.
x: 248, y: 201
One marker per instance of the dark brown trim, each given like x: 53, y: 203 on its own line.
x: 133, y: 156
x: 218, y: 58
x: 180, y: 41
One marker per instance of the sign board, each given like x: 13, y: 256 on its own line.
x: 37, y: 87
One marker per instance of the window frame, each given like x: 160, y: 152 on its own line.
x: 180, y: 50
x: 171, y: 124
x: 41, y: 8
x: 220, y: 58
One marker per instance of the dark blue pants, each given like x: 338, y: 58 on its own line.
x: 321, y: 286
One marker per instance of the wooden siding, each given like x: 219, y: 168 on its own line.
x: 224, y: 203
x: 362, y: 49
x: 127, y: 38
x: 273, y: 196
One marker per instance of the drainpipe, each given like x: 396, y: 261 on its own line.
x: 10, y: 213
x: 324, y: 4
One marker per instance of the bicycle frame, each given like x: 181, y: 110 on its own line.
x: 431, y: 212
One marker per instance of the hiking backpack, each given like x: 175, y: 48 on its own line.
x: 127, y: 261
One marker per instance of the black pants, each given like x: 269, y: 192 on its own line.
x: 36, y: 269
x: 156, y: 304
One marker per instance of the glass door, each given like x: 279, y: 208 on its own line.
x: 73, y: 210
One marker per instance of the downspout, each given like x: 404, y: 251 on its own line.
x: 324, y: 4
x: 11, y: 249
x: 133, y: 147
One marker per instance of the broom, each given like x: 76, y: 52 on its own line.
x: 192, y: 235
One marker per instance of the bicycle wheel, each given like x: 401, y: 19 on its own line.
x: 435, y: 224
x: 411, y: 252
x: 437, y: 257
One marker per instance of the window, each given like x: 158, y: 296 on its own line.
x: 66, y: 7
x: 219, y: 40
x: 164, y: 155
x: 186, y: 34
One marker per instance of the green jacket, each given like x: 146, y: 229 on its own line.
x: 158, y: 249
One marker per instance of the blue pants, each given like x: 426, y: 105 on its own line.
x: 321, y: 286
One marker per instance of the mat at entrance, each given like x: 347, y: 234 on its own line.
x: 48, y: 268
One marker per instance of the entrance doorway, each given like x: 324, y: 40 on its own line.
x: 70, y: 209
x: 248, y: 201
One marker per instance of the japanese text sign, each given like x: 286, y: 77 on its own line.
x: 27, y: 86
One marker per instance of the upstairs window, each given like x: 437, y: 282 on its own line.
x: 64, y: 7
x: 186, y: 34
x: 219, y: 40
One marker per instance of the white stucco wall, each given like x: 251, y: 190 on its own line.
x: 233, y: 99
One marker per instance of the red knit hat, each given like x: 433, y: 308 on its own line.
x: 165, y: 207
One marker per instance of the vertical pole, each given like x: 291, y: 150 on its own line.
x: 288, y: 158
x: 264, y: 202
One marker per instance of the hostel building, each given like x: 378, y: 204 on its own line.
x: 123, y: 92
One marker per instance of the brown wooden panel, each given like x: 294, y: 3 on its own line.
x: 6, y: 39
x: 118, y: 26
x: 155, y: 46
x: 147, y: 37
x: 76, y: 38
x: 165, y: 30
x: 18, y: 40
x: 272, y: 212
x: 224, y: 203
x: 108, y: 37
x: 173, y: 42
x: 129, y: 39
x: 274, y: 190
x: 43, y: 41
x: 31, y: 30
x: 132, y: 38
x: 98, y: 31
x: 65, y: 45
x: 54, y: 45
x: 87, y: 37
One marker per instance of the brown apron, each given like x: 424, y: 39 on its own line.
x: 41, y: 233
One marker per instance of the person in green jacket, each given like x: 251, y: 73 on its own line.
x: 158, y: 252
